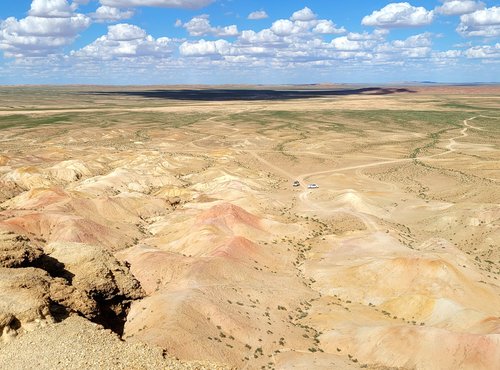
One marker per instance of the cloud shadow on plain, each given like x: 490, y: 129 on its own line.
x: 216, y: 94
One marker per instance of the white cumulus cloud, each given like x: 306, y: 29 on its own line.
x: 200, y: 26
x: 302, y: 23
x: 484, y: 52
x: 259, y: 14
x: 304, y: 15
x: 483, y: 23
x: 459, y: 7
x: 205, y: 48
x: 343, y: 43
x: 125, y: 41
x: 110, y: 14
x: 125, y: 32
x: 327, y: 27
x: 399, y: 15
x: 264, y: 37
x: 51, y: 25
x: 284, y: 27
x: 50, y: 8
x: 378, y: 35
x: 448, y: 54
x: 416, y: 46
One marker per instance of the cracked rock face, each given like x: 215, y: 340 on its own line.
x: 95, y: 271
x: 38, y: 287
x: 24, y: 299
x: 17, y: 251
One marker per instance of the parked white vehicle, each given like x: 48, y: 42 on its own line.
x: 312, y: 186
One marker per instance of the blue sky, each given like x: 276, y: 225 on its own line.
x: 248, y: 41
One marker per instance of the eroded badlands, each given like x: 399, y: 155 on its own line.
x: 171, y: 221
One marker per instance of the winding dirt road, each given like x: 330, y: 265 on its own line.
x: 369, y: 223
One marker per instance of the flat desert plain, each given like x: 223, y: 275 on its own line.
x: 159, y: 227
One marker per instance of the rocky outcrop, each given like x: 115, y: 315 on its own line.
x: 24, y: 299
x: 94, y: 273
x: 17, y: 250
x: 95, y: 270
x: 42, y: 286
